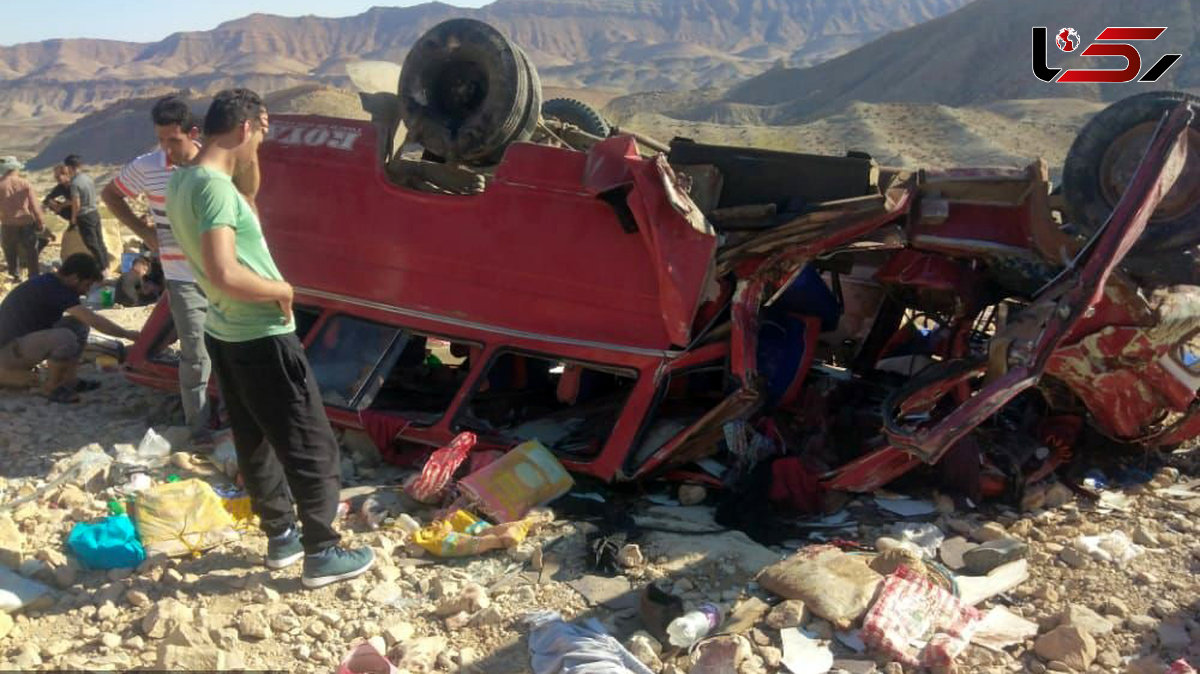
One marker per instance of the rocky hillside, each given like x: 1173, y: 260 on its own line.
x: 976, y: 55
x: 621, y: 45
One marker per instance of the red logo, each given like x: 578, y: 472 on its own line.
x: 1110, y: 42
x: 1067, y: 39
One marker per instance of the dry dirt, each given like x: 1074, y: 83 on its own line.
x: 1146, y: 613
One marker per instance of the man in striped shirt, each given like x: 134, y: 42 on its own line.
x: 148, y: 175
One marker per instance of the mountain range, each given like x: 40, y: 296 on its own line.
x: 617, y: 45
x: 977, y: 55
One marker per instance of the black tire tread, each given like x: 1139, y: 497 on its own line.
x: 1086, y: 206
x: 582, y: 115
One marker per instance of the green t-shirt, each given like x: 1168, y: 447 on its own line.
x: 200, y: 199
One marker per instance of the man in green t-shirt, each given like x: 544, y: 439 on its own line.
x: 264, y: 376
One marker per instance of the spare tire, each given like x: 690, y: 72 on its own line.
x: 577, y: 113
x: 1104, y: 156
x: 467, y: 92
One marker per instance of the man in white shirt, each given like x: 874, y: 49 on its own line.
x: 147, y: 175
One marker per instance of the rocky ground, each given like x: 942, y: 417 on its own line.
x: 223, y: 609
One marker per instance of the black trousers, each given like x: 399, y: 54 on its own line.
x: 20, y: 248
x: 282, y: 435
x: 92, y: 233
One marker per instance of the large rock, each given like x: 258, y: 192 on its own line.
x: 1087, y: 619
x: 12, y: 542
x: 646, y: 649
x: 473, y: 598
x: 419, y: 656
x: 790, y: 613
x: 832, y: 584
x: 253, y: 625
x: 1173, y: 636
x: 981, y: 560
x: 1068, y: 644
x: 184, y: 658
x: 86, y: 469
x: 164, y: 617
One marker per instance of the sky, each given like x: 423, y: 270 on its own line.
x: 152, y: 20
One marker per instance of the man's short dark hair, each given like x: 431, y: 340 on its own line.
x: 73, y: 161
x: 82, y: 266
x: 230, y: 108
x: 173, y: 110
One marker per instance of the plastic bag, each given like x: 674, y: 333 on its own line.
x: 111, y: 543
x: 182, y: 517
x: 526, y: 477
x: 462, y: 534
x: 1114, y: 547
x: 430, y: 486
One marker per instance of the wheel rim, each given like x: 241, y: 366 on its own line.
x: 1122, y: 157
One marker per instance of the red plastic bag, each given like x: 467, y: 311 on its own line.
x: 440, y: 468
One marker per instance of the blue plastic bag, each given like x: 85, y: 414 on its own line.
x: 111, y: 543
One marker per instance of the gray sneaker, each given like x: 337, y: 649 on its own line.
x: 334, y: 564
x: 284, y: 551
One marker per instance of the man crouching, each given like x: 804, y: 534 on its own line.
x: 33, y: 327
x: 265, y: 379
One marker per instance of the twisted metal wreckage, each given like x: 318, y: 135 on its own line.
x: 641, y: 313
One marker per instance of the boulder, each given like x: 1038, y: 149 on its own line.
x: 1068, y: 644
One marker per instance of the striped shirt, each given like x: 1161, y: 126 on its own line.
x: 149, y: 174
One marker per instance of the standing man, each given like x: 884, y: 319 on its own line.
x: 20, y: 220
x: 84, y: 212
x: 148, y: 174
x: 265, y: 379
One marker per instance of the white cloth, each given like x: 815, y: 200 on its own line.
x: 558, y: 647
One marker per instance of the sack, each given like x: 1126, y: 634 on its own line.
x: 834, y: 585
x: 182, y: 517
x: 111, y: 543
x: 917, y: 622
x: 523, y: 479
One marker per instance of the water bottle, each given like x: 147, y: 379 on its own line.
x: 407, y: 523
x: 692, y: 626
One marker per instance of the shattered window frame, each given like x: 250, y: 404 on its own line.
x: 386, y: 371
x: 463, y: 418
x: 636, y: 458
x: 370, y: 380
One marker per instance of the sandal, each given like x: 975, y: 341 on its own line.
x: 64, y: 395
x: 85, y: 385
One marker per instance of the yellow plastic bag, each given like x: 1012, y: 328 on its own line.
x: 185, y: 517
x: 462, y: 534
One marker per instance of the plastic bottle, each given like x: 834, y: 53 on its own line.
x: 692, y: 626
x: 407, y: 523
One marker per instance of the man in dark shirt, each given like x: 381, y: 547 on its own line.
x: 33, y: 328
x: 85, y: 213
x: 58, y: 199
